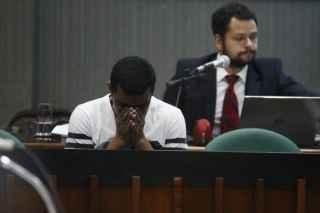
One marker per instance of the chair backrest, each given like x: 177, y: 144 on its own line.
x: 6, y: 135
x: 23, y: 124
x: 252, y: 140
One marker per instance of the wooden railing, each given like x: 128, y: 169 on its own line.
x: 90, y: 181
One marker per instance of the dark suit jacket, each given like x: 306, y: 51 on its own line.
x: 198, y: 95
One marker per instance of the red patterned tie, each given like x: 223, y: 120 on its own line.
x: 230, y: 117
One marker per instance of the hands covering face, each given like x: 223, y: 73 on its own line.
x: 130, y: 123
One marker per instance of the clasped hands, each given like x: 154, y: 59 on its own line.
x: 129, y: 130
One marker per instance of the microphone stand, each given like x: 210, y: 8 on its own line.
x: 195, y: 73
x: 30, y: 178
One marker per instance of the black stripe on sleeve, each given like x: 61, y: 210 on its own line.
x: 175, y: 140
x: 78, y: 136
x: 79, y: 146
x: 157, y: 146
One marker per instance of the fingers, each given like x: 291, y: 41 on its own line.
x: 135, y: 119
x: 130, y: 123
x: 122, y: 126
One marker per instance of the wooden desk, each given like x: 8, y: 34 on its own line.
x: 171, y: 182
x: 48, y: 146
x: 311, y: 151
x: 41, y: 145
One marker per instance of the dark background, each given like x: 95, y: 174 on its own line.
x: 62, y: 51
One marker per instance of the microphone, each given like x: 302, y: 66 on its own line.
x: 202, y: 132
x: 223, y: 61
x: 40, y: 183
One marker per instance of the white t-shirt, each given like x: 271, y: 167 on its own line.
x: 93, y: 123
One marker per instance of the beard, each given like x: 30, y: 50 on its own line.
x: 238, y: 61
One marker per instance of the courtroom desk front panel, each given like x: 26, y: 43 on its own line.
x: 171, y: 181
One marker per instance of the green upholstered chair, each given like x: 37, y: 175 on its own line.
x: 6, y: 135
x: 252, y: 140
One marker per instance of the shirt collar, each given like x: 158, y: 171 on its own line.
x: 222, y: 73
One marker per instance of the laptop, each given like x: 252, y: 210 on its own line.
x: 298, y: 118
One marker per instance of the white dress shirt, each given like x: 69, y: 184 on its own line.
x: 222, y: 85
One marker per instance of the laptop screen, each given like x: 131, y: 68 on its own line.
x: 298, y: 118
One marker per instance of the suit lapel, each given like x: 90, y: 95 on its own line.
x: 253, y: 83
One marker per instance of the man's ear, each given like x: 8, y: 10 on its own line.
x: 218, y: 41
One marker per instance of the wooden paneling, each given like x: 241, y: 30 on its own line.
x: 115, y: 181
x: 93, y: 197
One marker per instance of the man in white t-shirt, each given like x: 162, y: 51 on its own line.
x: 129, y: 117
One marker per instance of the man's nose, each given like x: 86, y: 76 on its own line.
x: 249, y: 42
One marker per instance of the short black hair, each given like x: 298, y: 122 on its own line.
x: 221, y: 18
x: 134, y: 75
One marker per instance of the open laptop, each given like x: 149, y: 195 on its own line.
x: 298, y: 118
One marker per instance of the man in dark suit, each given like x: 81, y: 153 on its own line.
x: 235, y: 34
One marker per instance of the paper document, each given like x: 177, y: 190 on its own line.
x: 61, y: 130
